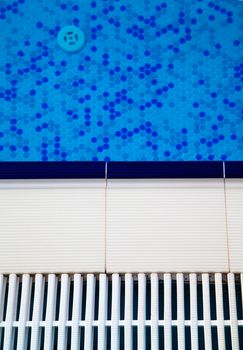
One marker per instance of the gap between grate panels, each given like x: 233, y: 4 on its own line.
x: 121, y: 312
x: 226, y: 221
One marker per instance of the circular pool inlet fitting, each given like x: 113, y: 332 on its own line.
x: 71, y: 38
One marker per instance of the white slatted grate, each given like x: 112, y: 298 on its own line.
x: 121, y: 312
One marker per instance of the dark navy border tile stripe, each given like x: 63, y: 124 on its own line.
x: 120, y: 170
x: 161, y: 170
x: 234, y: 169
x: 52, y: 170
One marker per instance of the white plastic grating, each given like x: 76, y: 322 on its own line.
x: 121, y: 312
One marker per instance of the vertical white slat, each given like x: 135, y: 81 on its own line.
x: 233, y: 312
x: 76, y: 313
x: 180, y: 311
x: 63, y: 312
x: 37, y: 312
x: 50, y: 311
x: 89, y: 312
x: 11, y: 311
x: 115, y: 312
x: 167, y: 312
x: 128, y: 310
x: 154, y: 311
x: 141, y: 311
x: 220, y: 311
x: 2, y: 294
x: 24, y: 312
x: 193, y: 311
x: 206, y: 311
x: 103, y: 290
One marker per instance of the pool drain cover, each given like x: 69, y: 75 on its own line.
x: 71, y: 38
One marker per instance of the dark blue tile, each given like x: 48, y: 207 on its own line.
x: 160, y: 170
x: 52, y: 170
x: 234, y: 169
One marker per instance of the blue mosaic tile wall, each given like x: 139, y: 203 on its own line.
x: 155, y: 80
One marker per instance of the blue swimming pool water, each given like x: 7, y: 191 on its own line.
x: 155, y: 80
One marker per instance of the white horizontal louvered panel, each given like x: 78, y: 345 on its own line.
x: 166, y: 225
x: 57, y: 309
x: 51, y: 226
x: 234, y: 207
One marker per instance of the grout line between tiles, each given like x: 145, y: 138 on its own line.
x: 106, y: 182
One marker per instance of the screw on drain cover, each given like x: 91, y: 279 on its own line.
x: 71, y: 38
